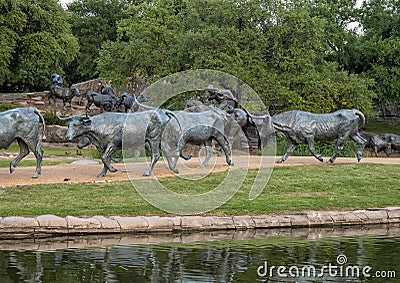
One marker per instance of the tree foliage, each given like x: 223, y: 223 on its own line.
x: 93, y: 23
x: 286, y: 52
x: 380, y: 48
x: 303, y: 54
x: 35, y: 40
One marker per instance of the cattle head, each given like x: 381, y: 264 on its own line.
x: 78, y: 126
x: 124, y: 95
x: 388, y: 149
x: 75, y: 91
x: 264, y: 127
x: 387, y: 138
x: 83, y: 142
x: 240, y: 117
x: 142, y: 98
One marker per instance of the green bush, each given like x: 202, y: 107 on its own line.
x: 50, y: 117
x: 324, y: 148
x: 7, y: 106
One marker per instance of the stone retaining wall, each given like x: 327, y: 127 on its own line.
x: 101, y: 240
x: 17, y: 226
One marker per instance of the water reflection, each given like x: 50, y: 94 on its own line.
x: 233, y: 256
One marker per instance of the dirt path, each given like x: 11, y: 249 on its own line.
x: 86, y: 173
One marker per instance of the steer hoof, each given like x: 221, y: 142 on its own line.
x: 329, y: 161
x: 112, y: 169
x: 176, y: 171
x: 319, y: 157
x: 12, y: 168
x: 186, y: 156
x: 280, y: 160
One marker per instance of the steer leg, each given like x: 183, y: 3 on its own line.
x: 155, y: 155
x: 339, y: 147
x: 106, y: 158
x: 88, y: 104
x: 310, y: 141
x: 38, y: 151
x: 223, y: 142
x: 209, y: 152
x: 70, y: 104
x: 376, y: 151
x: 361, y: 142
x: 289, y: 150
x: 166, y: 150
x: 185, y: 156
x: 23, y: 151
x: 178, y: 153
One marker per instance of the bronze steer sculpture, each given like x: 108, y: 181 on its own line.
x: 393, y: 139
x: 108, y: 132
x: 304, y: 127
x: 195, y: 127
x: 22, y: 124
x: 128, y: 101
x: 105, y: 102
x: 376, y: 144
x: 65, y: 94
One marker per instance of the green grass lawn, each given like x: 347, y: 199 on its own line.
x: 55, y: 151
x: 292, y: 188
x: 48, y: 151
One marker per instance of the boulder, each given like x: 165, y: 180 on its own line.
x: 55, y: 133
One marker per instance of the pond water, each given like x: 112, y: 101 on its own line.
x: 358, y: 254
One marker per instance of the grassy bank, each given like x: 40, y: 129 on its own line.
x: 51, y: 155
x: 296, y: 188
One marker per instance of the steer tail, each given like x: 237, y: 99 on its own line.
x: 39, y: 144
x: 171, y: 114
x: 361, y: 116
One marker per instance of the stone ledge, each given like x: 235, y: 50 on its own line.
x: 53, y: 225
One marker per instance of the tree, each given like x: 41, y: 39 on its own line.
x: 35, y: 40
x: 380, y: 47
x: 285, y: 51
x: 93, y: 23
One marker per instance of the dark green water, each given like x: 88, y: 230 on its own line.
x: 250, y: 256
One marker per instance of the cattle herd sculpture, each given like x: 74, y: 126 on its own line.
x: 22, y: 125
x: 138, y: 126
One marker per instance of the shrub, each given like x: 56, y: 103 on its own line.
x: 50, y: 117
x: 7, y: 106
x: 324, y: 148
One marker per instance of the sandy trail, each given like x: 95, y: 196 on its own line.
x: 86, y: 173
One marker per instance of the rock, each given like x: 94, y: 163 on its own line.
x: 55, y: 133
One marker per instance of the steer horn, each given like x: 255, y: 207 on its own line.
x: 252, y: 117
x: 70, y: 118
